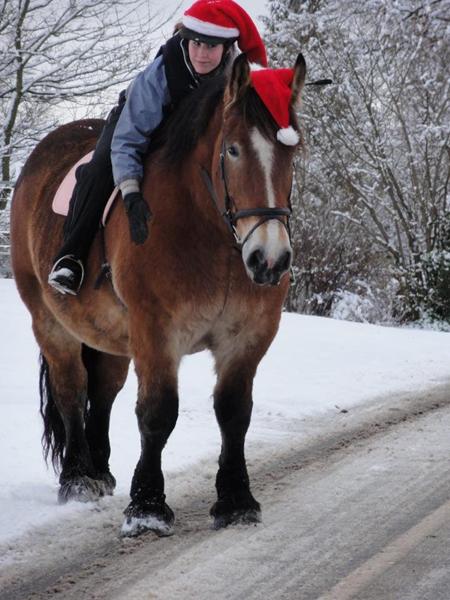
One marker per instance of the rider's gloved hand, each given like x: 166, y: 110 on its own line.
x: 138, y: 214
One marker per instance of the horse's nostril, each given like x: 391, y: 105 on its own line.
x: 255, y: 260
x: 284, y: 262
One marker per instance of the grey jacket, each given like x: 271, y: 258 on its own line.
x: 141, y: 115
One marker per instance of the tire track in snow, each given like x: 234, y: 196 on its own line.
x: 83, y: 557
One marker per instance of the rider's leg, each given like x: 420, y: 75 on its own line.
x: 93, y: 188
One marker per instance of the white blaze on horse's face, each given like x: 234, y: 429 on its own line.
x: 265, y: 152
x: 267, y: 253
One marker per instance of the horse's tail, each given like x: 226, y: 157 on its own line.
x: 54, y: 436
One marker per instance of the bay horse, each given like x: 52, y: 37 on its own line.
x: 186, y: 289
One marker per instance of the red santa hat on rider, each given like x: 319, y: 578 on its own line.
x: 273, y: 86
x: 219, y: 21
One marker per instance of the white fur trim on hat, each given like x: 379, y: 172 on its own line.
x: 205, y: 28
x: 288, y: 136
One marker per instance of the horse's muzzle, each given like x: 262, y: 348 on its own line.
x: 265, y: 272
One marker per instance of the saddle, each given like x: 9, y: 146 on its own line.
x: 61, y: 200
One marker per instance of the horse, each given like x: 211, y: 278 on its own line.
x: 213, y: 274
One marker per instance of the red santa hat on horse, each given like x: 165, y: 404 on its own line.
x: 274, y: 87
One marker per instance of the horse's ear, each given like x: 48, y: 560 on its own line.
x: 240, y: 79
x: 298, y: 81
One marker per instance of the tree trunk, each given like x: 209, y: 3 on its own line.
x: 6, y: 189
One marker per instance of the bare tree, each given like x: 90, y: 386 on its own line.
x: 54, y: 50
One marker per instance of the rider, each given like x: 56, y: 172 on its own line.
x: 201, y: 48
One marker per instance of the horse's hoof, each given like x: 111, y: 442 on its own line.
x: 108, y: 481
x: 244, y: 510
x: 81, y: 489
x: 237, y: 517
x: 159, y: 520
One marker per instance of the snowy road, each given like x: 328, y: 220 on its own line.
x: 359, y: 509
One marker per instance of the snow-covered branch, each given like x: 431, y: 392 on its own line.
x: 54, y: 50
x: 377, y: 141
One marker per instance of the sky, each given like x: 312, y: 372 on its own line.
x: 315, y: 366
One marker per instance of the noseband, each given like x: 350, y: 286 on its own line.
x: 231, y: 215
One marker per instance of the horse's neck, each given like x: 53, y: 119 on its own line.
x: 205, y: 156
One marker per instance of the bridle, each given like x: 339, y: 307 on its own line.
x: 231, y: 215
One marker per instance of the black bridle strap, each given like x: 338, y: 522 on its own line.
x: 267, y: 214
x: 209, y: 185
x: 261, y: 222
x: 231, y: 218
x: 212, y: 192
x: 271, y: 213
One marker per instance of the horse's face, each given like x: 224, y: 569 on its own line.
x: 257, y: 171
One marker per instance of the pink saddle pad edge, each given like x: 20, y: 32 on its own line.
x: 61, y: 200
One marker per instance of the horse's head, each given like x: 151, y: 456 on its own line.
x: 255, y: 167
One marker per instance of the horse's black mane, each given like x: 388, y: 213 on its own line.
x: 181, y: 132
x: 188, y: 123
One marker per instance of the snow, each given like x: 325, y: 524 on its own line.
x: 132, y: 526
x: 314, y: 366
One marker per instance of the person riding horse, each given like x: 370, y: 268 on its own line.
x: 200, y: 50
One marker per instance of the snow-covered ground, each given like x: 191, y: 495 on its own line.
x: 314, y: 366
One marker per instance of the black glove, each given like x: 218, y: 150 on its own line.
x: 138, y: 214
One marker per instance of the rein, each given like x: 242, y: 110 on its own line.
x: 232, y: 216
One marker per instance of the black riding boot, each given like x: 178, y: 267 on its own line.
x: 91, y: 193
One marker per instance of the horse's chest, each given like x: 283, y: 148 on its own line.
x: 231, y: 322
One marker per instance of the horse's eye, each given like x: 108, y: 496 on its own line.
x: 233, y: 151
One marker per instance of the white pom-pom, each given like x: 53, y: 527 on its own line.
x: 288, y: 136
x: 256, y: 67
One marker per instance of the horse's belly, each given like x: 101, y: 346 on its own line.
x: 105, y: 334
x: 94, y: 318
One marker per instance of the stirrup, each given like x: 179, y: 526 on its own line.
x: 70, y: 276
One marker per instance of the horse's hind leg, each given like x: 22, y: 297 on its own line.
x: 233, y: 407
x: 106, y: 377
x: 63, y: 386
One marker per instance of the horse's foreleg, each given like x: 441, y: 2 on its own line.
x: 233, y: 406
x: 106, y: 377
x: 157, y: 412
